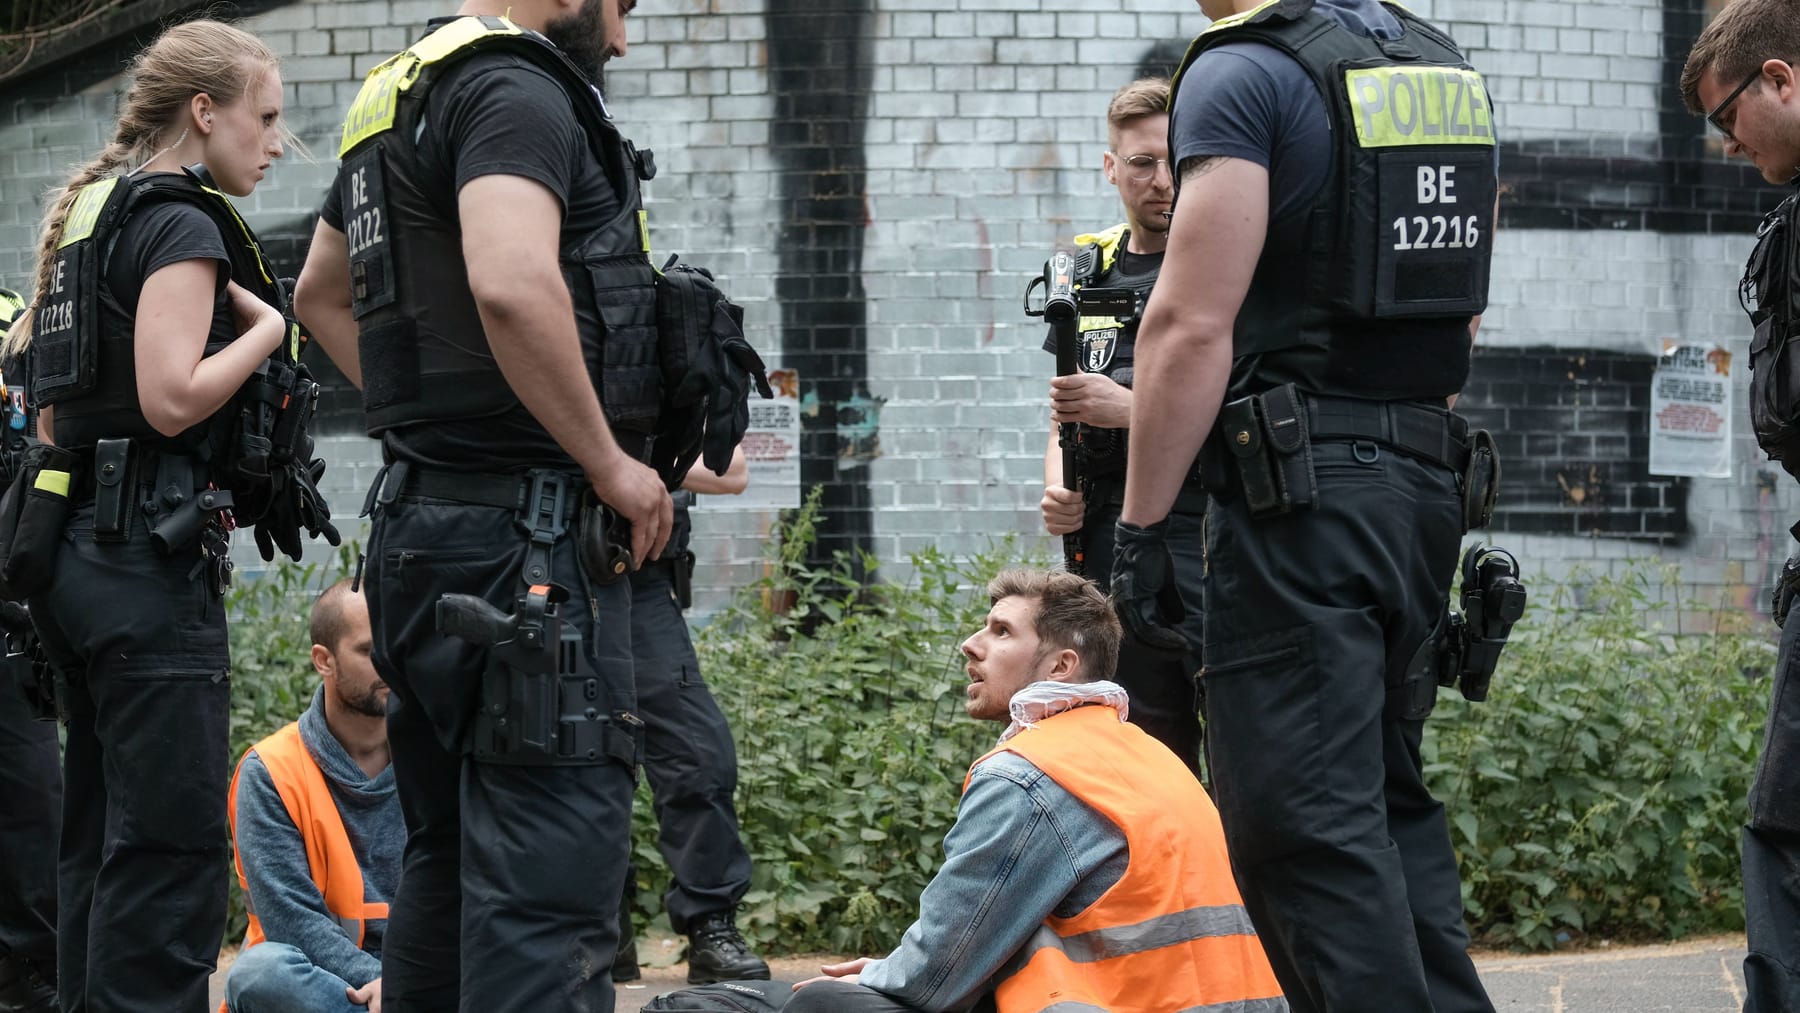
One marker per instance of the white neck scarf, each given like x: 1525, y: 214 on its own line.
x: 1047, y: 699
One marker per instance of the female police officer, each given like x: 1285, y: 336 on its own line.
x: 141, y: 334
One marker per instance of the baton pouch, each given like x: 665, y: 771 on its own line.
x: 32, y: 515
x: 605, y: 557
x: 1284, y: 416
x: 1480, y: 481
x: 681, y: 578
x: 112, y: 483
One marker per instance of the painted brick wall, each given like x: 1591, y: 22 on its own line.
x: 875, y: 182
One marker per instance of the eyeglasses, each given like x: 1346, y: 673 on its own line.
x: 1142, y: 168
x: 1718, y: 110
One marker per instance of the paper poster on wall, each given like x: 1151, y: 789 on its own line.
x: 1690, y: 411
x: 772, y: 448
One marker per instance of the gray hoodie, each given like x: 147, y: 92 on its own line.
x: 273, y: 854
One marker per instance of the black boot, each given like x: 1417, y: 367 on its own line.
x: 717, y: 952
x: 625, y: 965
x: 24, y: 988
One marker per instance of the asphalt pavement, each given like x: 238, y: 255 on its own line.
x: 1702, y: 976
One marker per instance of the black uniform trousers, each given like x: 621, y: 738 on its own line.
x: 139, y: 643
x: 1771, y: 844
x: 510, y: 884
x: 30, y: 824
x: 689, y: 757
x: 1161, y: 684
x: 1342, y: 855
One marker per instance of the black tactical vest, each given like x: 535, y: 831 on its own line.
x: 90, y: 375
x: 423, y: 351
x: 1399, y: 237
x: 1107, y: 345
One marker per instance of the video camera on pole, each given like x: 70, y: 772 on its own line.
x: 1493, y: 599
x: 1062, y: 308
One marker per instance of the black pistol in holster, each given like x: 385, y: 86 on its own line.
x: 542, y: 703
x: 1465, y: 647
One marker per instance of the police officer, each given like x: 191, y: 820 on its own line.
x: 479, y: 270
x: 690, y: 760
x: 153, y: 307
x: 1160, y: 681
x: 30, y: 772
x: 1327, y: 259
x: 1741, y: 74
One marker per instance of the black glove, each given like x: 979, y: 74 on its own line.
x: 1149, y: 607
x: 728, y: 408
x: 1785, y: 586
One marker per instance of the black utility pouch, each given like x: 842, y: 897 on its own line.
x: 113, y: 485
x: 1284, y: 419
x: 681, y: 577
x: 32, y: 515
x: 1240, y: 426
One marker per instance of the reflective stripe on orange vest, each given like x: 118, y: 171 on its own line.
x: 330, y: 858
x: 1172, y: 933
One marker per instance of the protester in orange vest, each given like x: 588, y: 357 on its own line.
x: 1086, y: 869
x: 318, y: 832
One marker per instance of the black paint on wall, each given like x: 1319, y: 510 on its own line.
x: 1683, y: 184
x: 819, y: 72
x: 1573, y: 429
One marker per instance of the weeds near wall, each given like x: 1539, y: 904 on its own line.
x: 1600, y: 790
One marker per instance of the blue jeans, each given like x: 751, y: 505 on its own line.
x: 278, y: 978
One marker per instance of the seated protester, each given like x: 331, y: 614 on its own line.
x: 318, y: 833
x: 1086, y: 869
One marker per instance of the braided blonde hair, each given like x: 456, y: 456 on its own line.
x: 186, y: 60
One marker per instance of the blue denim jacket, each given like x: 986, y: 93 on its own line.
x: 1022, y: 849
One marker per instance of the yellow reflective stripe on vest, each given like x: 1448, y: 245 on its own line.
x: 262, y: 262
x: 1153, y: 934
x: 644, y: 232
x: 84, y: 214
x: 379, y: 100
x: 1404, y: 106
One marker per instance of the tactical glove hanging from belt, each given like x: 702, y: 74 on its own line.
x: 708, y: 369
x: 1768, y: 292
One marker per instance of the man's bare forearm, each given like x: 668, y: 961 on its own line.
x: 1180, y: 386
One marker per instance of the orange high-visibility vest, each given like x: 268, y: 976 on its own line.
x: 329, y: 856
x: 1172, y: 933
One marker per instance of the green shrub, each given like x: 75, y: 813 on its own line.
x: 851, y: 738
x: 272, y: 678
x: 1600, y: 789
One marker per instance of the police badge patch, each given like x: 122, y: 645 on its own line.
x: 1097, y: 349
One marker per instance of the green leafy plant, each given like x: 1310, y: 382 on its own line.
x: 1600, y: 789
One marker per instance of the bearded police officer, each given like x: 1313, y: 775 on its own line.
x: 1741, y: 74
x: 1327, y: 259
x: 480, y: 269
x: 1097, y: 399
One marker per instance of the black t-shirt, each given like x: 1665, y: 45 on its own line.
x: 152, y: 238
x: 497, y: 114
x: 1252, y: 101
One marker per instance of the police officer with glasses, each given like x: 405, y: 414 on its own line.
x: 1741, y: 75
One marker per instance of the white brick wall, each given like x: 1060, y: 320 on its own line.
x: 983, y: 146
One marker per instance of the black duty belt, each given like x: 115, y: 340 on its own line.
x: 508, y: 492
x: 1434, y: 435
x: 1109, y: 493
